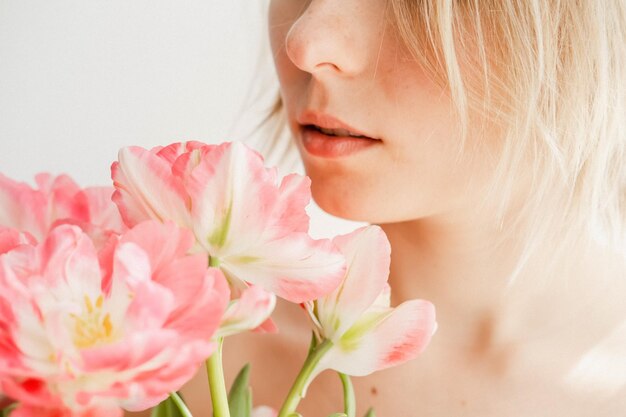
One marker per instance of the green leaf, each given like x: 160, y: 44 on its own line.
x: 295, y: 415
x: 167, y: 408
x: 338, y: 415
x: 240, y: 395
x: 370, y: 413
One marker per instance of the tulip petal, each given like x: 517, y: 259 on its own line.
x: 367, y: 253
x: 400, y: 335
x: 296, y: 268
x: 146, y: 188
x: 22, y: 208
x: 248, y: 312
x: 12, y: 238
x: 103, y: 213
x: 232, y: 195
x: 264, y: 411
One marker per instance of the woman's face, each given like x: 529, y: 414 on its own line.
x: 344, y: 59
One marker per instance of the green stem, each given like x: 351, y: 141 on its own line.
x: 217, y: 385
x: 180, y: 404
x: 302, y: 380
x: 348, y: 395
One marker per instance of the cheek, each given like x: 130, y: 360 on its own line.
x: 388, y: 190
x: 415, y: 174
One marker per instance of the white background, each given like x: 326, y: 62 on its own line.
x: 80, y: 79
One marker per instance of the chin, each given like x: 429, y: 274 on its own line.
x: 349, y: 201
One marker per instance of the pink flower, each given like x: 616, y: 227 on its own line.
x: 252, y: 226
x: 58, y: 200
x: 367, y: 334
x: 84, y: 332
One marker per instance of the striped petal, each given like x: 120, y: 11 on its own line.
x: 256, y: 228
x: 296, y: 268
x: 232, y: 198
x: 248, y: 312
x: 367, y: 253
x: 146, y: 188
x: 384, y: 339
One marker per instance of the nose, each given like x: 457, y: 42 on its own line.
x: 325, y: 37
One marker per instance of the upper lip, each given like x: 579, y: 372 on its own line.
x: 326, y: 121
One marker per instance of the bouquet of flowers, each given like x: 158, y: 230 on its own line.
x: 111, y: 298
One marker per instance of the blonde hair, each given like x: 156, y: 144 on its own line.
x: 552, y: 75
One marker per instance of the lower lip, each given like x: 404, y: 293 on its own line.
x: 328, y: 146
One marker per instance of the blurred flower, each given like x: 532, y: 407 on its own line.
x: 252, y: 226
x: 84, y: 332
x: 250, y: 311
x: 264, y: 411
x: 58, y: 200
x: 366, y: 333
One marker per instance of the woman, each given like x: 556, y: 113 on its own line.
x: 492, y: 152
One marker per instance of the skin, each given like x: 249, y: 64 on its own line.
x: 500, y: 350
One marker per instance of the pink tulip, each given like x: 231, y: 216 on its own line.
x: 367, y: 334
x: 84, y: 332
x: 58, y: 200
x: 248, y: 222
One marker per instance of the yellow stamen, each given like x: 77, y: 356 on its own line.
x: 88, y: 304
x: 99, y: 301
x: 90, y: 327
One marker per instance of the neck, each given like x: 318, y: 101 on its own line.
x: 465, y: 270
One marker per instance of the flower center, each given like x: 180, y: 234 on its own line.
x: 92, y: 327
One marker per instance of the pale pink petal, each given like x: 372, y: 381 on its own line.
x: 11, y: 238
x: 268, y: 326
x: 64, y: 200
x: 367, y: 253
x: 68, y: 254
x: 172, y: 152
x: 231, y: 193
x: 248, y: 312
x: 296, y: 267
x: 146, y: 188
x: 289, y: 208
x: 403, y: 333
x: 162, y: 242
x: 235, y: 195
x: 264, y: 411
x: 22, y: 207
x: 32, y: 411
x: 103, y: 212
x: 200, y: 295
x: 200, y: 317
x: 152, y: 303
x: 184, y: 157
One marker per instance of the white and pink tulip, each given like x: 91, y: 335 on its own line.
x: 252, y: 225
x: 366, y: 333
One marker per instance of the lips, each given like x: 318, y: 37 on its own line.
x: 310, y: 118
x: 325, y: 136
